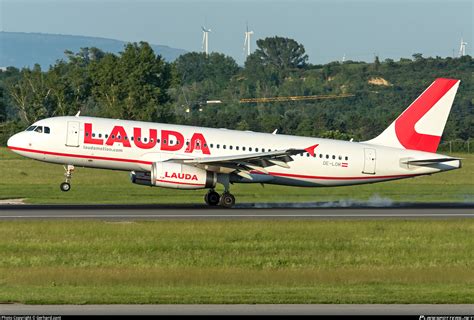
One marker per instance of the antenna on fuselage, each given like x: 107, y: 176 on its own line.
x: 78, y: 113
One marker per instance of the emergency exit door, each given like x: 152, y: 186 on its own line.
x: 72, y: 139
x: 369, y: 161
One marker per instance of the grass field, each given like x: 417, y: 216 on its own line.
x: 38, y: 182
x: 237, y: 261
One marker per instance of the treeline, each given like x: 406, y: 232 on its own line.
x: 136, y: 84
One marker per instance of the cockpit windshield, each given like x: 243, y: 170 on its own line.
x: 39, y: 129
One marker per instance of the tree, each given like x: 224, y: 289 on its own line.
x: 280, y: 53
x: 133, y: 85
x: 30, y: 95
x: 197, y: 67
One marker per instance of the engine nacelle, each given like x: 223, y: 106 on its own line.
x: 181, y: 176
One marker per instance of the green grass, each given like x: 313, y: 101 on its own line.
x: 389, y: 261
x: 38, y: 182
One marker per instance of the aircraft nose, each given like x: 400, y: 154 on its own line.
x: 13, y: 141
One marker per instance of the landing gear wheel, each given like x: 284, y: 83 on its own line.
x: 65, y: 186
x: 212, y: 198
x: 227, y: 200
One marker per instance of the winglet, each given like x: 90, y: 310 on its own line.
x: 310, y: 150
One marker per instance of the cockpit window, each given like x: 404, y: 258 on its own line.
x: 46, y: 130
x: 39, y: 129
x: 30, y: 128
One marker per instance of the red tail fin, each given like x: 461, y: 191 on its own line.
x: 421, y: 125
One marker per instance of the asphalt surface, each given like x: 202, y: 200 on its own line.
x: 168, y: 212
x: 243, y: 309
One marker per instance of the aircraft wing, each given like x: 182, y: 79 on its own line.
x: 244, y: 163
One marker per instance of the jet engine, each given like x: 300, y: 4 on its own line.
x: 181, y: 176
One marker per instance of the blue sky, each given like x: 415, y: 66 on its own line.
x: 328, y: 29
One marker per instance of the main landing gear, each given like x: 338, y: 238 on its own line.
x: 212, y: 198
x: 66, y: 185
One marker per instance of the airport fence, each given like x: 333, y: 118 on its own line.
x: 458, y: 145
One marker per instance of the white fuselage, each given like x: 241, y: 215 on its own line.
x: 335, y: 162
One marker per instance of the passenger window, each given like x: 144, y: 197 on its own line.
x: 87, y: 134
x: 187, y: 143
x: 100, y: 135
x: 333, y: 157
x: 217, y: 146
x: 212, y: 145
x: 145, y: 139
x: 113, y: 136
x: 236, y: 147
x: 131, y: 138
x: 327, y: 156
x: 256, y: 149
x: 106, y: 136
x: 340, y: 157
x: 93, y: 135
x: 164, y: 141
x: 347, y: 158
x: 158, y: 140
x: 46, y: 130
x: 250, y: 149
x: 321, y: 155
x: 223, y: 147
x: 307, y: 154
x: 230, y: 147
x: 243, y: 148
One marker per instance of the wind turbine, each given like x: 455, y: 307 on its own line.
x: 462, y: 48
x: 205, y: 40
x: 247, y: 40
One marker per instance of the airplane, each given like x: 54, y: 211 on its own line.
x: 189, y: 157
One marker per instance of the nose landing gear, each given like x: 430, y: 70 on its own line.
x: 66, y: 185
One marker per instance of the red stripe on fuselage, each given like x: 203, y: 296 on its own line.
x: 187, y: 183
x: 71, y: 155
x: 289, y: 175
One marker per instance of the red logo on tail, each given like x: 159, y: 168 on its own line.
x: 405, y: 124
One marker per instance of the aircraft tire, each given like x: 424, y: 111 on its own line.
x: 212, y: 198
x: 65, y: 187
x: 227, y: 200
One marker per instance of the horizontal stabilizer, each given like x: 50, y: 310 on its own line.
x: 424, y: 162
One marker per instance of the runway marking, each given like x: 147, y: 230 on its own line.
x: 440, y: 215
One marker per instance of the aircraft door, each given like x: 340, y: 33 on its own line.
x: 369, y: 161
x: 72, y: 138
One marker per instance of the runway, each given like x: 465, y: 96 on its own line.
x: 242, y: 309
x: 193, y: 212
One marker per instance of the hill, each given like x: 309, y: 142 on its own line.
x: 21, y: 49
